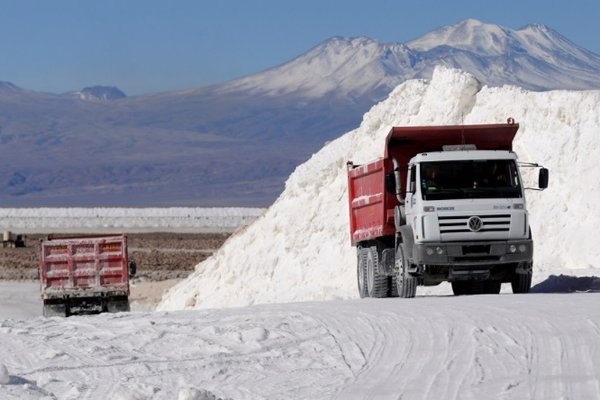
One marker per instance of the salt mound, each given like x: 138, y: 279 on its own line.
x: 299, y: 250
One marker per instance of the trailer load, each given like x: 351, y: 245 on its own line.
x: 444, y: 203
x: 85, y: 274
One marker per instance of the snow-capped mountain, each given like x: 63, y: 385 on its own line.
x: 344, y: 67
x: 534, y: 57
x: 184, y: 147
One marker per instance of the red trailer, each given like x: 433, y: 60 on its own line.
x: 433, y: 209
x: 84, y: 274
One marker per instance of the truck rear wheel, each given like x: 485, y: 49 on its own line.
x: 406, y: 284
x: 393, y: 286
x: 377, y: 283
x: 361, y: 271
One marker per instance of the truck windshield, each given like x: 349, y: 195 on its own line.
x: 469, y: 179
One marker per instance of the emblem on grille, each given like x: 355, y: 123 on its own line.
x: 475, y: 224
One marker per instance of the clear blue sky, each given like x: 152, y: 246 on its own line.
x: 151, y: 46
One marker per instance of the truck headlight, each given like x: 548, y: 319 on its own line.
x: 522, y: 248
x: 429, y: 251
x: 512, y: 248
x: 439, y: 250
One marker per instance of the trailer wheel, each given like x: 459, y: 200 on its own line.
x: 361, y: 271
x: 54, y: 310
x: 118, y: 304
x: 406, y: 284
x: 377, y: 284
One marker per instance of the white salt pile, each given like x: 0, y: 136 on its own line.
x: 300, y: 249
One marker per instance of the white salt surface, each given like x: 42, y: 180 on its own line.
x: 535, y: 346
x: 98, y: 220
x: 300, y: 249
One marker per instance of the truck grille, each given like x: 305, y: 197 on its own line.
x: 459, y: 223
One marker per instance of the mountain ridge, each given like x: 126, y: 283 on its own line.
x: 234, y: 143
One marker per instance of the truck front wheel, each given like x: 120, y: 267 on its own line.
x: 405, y: 282
x: 377, y: 283
x: 521, y: 282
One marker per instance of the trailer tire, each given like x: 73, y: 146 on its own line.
x: 377, y: 283
x: 55, y: 310
x: 361, y: 271
x: 406, y: 284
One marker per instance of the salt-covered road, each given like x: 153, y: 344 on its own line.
x: 542, y: 346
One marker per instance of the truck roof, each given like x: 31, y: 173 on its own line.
x: 464, y: 155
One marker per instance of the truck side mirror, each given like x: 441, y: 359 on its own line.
x: 132, y: 268
x: 543, y: 178
x: 390, y: 183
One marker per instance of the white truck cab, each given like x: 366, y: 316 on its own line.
x: 467, y: 208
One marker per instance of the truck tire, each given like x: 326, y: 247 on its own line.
x: 377, y: 283
x: 54, y: 310
x: 406, y: 284
x: 521, y: 283
x: 118, y: 304
x: 393, y: 286
x: 361, y: 271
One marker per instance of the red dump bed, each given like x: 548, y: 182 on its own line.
x: 371, y: 207
x: 84, y: 266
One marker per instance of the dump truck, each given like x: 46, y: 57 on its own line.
x: 444, y: 203
x: 84, y: 274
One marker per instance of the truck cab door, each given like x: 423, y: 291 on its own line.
x: 411, y: 188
